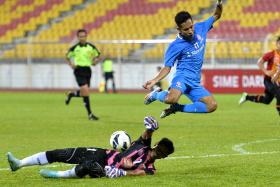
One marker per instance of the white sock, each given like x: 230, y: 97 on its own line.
x: 67, y: 174
x: 37, y: 159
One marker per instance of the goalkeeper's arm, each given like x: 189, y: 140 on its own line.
x: 151, y: 125
x: 112, y: 172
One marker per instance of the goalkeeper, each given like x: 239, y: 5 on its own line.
x: 138, y: 159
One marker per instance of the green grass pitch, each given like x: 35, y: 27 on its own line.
x: 234, y: 146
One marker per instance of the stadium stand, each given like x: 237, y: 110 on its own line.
x: 242, y: 29
x: 138, y: 19
x: 22, y: 16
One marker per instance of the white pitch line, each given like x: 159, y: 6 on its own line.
x: 222, y: 155
x: 47, y: 166
x: 239, y: 147
x: 177, y: 157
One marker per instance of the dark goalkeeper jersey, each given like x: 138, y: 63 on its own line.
x: 138, y: 153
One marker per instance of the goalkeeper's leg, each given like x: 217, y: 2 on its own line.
x: 88, y: 167
x: 68, y: 155
x: 36, y: 159
x: 58, y: 174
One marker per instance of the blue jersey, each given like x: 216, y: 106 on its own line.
x: 189, y: 54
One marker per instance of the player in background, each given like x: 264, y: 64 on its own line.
x: 107, y: 68
x: 138, y: 159
x: 271, y: 79
x: 84, y: 54
x: 188, y: 51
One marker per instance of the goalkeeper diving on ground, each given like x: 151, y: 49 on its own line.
x: 138, y: 159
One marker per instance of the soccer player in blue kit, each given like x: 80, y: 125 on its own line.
x: 188, y: 50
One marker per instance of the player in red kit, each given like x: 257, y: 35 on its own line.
x: 271, y: 79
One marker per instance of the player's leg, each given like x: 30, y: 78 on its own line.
x: 68, y: 155
x: 210, y: 102
x: 79, y: 79
x: 36, y: 159
x: 106, y: 81
x: 268, y: 96
x: 86, y: 100
x: 94, y: 163
x: 89, y: 167
x: 92, y: 168
x: 69, y: 96
x: 265, y: 99
x: 203, y: 102
x: 172, y: 96
x: 91, y: 162
x: 113, y: 82
x: 277, y: 96
x: 71, y: 173
x: 278, y: 103
x: 84, y: 87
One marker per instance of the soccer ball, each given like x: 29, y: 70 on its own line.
x: 120, y: 140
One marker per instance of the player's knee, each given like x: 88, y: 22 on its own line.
x: 81, y: 170
x: 212, y: 106
x: 170, y: 99
x: 91, y: 168
x: 84, y: 92
x: 267, y: 101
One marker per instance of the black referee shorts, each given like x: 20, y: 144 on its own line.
x: 108, y: 75
x: 82, y: 75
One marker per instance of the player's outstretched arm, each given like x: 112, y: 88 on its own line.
x: 163, y: 73
x: 113, y: 172
x: 136, y: 173
x: 218, y: 10
x: 151, y: 125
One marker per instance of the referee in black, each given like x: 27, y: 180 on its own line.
x: 80, y: 57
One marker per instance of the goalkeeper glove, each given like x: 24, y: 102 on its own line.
x: 151, y: 123
x: 113, y: 172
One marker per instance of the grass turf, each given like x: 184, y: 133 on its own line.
x: 204, y: 155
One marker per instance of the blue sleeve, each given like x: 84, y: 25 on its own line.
x: 208, y: 24
x: 171, y: 55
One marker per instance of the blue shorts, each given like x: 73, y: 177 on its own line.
x: 194, y: 91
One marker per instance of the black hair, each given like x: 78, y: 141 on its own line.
x: 81, y: 30
x: 181, y: 17
x: 165, y: 146
x: 278, y: 39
